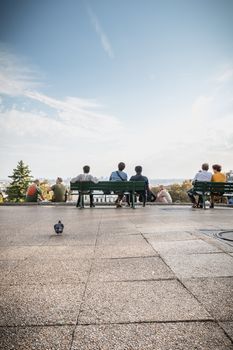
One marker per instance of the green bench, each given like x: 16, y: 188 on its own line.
x: 107, y: 187
x: 216, y: 188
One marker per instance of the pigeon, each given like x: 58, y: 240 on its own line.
x: 59, y: 227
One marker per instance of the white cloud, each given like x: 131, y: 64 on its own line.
x: 15, y: 76
x: 225, y: 76
x: 100, y: 32
x: 77, y: 117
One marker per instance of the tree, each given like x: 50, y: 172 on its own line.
x: 21, y: 178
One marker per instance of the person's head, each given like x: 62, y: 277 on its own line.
x: 59, y: 180
x: 121, y: 166
x: 37, y: 182
x: 138, y: 169
x: 161, y: 187
x: 86, y: 169
x: 205, y: 166
x: 217, y: 168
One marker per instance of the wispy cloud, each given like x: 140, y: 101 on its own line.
x: 225, y: 76
x: 100, y: 32
x: 77, y: 117
x: 15, y: 75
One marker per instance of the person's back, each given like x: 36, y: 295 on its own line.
x: 85, y: 176
x: 34, y: 192
x: 59, y: 191
x: 203, y: 176
x: 218, y: 176
x: 119, y: 175
x: 140, y: 177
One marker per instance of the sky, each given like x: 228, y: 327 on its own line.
x: 97, y: 82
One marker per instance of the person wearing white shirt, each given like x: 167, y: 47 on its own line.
x: 81, y: 178
x: 204, y: 176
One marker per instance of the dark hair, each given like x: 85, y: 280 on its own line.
x: 86, y: 169
x: 217, y: 167
x: 121, y: 166
x: 138, y: 169
x: 205, y: 166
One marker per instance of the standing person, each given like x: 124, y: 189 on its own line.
x: 119, y: 175
x: 88, y: 178
x: 34, y: 192
x: 59, y: 191
x: 140, y: 177
x: 202, y: 175
x: 163, y: 196
x: 218, y: 176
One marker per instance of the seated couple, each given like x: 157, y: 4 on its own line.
x: 204, y: 175
x: 118, y: 175
x: 34, y: 192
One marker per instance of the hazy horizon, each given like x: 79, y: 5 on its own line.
x: 99, y: 82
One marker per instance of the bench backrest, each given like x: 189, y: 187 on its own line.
x: 218, y: 187
x: 105, y: 186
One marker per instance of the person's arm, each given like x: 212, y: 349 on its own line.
x: 40, y: 193
x: 94, y: 179
x: 75, y: 179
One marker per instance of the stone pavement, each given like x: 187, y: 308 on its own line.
x: 117, y: 279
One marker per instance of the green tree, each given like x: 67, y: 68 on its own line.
x: 20, y: 180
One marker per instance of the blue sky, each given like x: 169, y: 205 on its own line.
x: 98, y: 82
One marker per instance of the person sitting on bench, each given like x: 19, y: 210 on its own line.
x: 202, y: 175
x: 120, y: 175
x: 88, y: 178
x: 216, y: 177
x: 140, y: 177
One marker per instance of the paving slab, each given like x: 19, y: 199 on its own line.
x: 48, y: 271
x: 40, y: 305
x: 110, y: 302
x: 125, y: 250
x: 201, y: 265
x: 228, y: 328
x: 70, y: 239
x: 120, y: 239
x: 161, y: 336
x: 41, y: 252
x: 6, y: 267
x: 130, y: 269
x: 169, y: 236
x: 183, y: 247
x: 36, y: 338
x: 215, y: 294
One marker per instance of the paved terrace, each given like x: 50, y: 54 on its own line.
x: 117, y: 279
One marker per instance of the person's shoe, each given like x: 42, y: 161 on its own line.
x: 119, y: 205
x: 92, y: 205
x: 194, y: 205
x: 212, y: 206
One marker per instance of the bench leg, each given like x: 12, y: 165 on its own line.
x: 133, y: 200
x: 204, y: 200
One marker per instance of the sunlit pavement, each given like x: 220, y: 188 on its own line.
x: 116, y: 279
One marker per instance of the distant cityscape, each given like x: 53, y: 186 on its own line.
x: 154, y: 182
